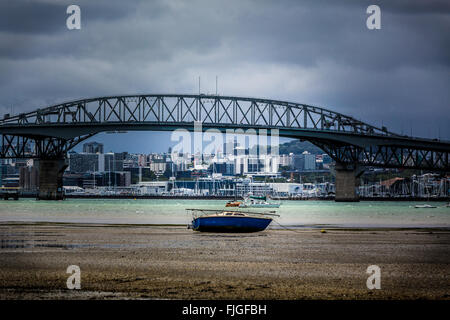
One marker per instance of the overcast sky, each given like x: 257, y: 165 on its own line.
x: 314, y: 52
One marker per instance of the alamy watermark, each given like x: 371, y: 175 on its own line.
x: 374, y: 280
x: 73, y: 22
x: 214, y: 144
x: 74, y: 280
x: 374, y: 20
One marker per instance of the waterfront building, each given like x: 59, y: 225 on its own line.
x: 152, y: 188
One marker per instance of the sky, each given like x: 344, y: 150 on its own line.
x: 313, y: 52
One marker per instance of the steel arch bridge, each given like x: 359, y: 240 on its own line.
x: 49, y: 133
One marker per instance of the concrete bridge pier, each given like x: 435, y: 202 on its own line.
x: 51, y: 179
x: 346, y: 183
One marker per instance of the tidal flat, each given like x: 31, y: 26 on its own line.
x: 172, y: 262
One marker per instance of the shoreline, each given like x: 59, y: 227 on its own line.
x: 170, y: 262
x: 329, y: 198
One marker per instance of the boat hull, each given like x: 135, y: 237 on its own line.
x: 230, y: 224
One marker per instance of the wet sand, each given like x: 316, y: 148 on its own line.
x: 169, y: 262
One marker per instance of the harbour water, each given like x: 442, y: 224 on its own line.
x: 293, y: 214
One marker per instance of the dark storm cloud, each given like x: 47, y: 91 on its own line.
x: 30, y: 29
x: 316, y: 52
x: 27, y: 17
x: 41, y: 16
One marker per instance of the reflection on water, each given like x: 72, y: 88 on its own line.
x: 30, y: 244
x: 35, y: 244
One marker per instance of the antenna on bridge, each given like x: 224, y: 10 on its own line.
x: 198, y: 85
x: 216, y: 85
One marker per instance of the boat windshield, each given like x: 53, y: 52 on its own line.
x: 207, y: 212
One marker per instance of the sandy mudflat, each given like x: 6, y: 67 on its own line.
x: 163, y: 262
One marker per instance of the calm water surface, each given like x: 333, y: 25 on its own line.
x: 172, y: 211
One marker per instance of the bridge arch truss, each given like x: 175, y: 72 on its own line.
x: 52, y: 131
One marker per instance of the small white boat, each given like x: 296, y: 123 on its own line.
x: 258, y: 202
x: 423, y: 206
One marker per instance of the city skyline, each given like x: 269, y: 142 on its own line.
x: 143, y: 141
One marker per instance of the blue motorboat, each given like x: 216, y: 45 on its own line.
x: 229, y: 221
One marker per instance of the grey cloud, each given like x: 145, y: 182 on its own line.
x: 47, y: 17
x: 417, y: 6
x: 316, y: 52
x: 31, y: 17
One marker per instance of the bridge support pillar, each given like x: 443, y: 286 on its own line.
x: 51, y: 179
x: 346, y: 184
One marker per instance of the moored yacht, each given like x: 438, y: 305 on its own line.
x: 229, y: 221
x: 423, y: 206
x: 258, y: 202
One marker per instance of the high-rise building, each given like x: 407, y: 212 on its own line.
x: 224, y: 168
x: 28, y: 178
x: 93, y: 147
x: 304, y: 161
x: 114, y: 161
x: 310, y: 161
x: 83, y: 162
x: 298, y: 162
